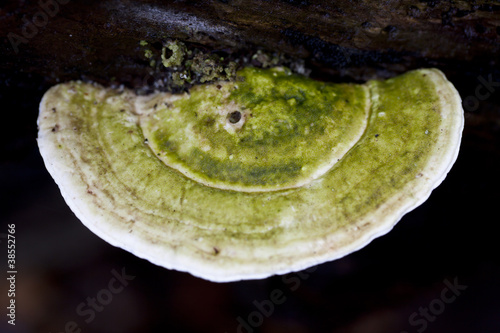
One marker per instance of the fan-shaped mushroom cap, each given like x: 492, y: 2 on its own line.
x: 266, y: 175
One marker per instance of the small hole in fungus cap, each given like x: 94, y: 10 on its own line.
x: 234, y: 117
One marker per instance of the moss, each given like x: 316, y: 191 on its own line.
x: 195, y: 66
x: 267, y: 60
x: 179, y: 51
x: 180, y: 78
x: 230, y: 70
x: 182, y: 65
x: 209, y: 67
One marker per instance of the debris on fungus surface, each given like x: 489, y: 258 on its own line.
x: 266, y: 174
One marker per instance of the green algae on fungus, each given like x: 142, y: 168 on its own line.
x: 272, y: 145
x: 267, y: 174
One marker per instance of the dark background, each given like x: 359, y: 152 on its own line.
x: 452, y: 236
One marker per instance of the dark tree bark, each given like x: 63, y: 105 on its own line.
x: 359, y: 39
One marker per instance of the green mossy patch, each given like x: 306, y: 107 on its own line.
x: 290, y: 129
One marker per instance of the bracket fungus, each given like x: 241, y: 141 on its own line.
x: 268, y: 174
